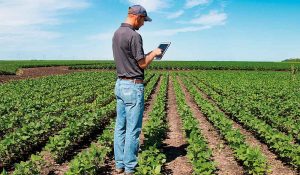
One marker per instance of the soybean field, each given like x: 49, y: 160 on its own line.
x: 196, y: 121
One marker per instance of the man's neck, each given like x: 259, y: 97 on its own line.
x: 129, y: 21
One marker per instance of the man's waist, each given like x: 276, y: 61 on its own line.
x: 135, y: 80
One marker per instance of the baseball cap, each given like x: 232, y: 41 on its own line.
x: 139, y: 10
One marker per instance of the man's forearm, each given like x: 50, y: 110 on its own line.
x: 147, y: 60
x: 149, y: 57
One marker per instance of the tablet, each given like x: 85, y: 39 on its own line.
x: 163, y: 46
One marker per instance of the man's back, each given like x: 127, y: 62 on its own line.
x: 128, y: 50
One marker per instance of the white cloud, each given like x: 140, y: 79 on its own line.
x: 194, y: 3
x: 35, y: 12
x: 23, y: 21
x: 151, y: 5
x: 170, y: 32
x: 207, y: 21
x: 175, y: 14
x: 212, y: 19
x: 26, y: 33
x: 224, y: 4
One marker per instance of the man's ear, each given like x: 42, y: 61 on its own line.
x: 137, y: 17
x: 132, y: 15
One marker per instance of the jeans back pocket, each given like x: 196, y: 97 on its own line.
x: 128, y: 95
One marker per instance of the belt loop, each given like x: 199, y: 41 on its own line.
x: 134, y: 81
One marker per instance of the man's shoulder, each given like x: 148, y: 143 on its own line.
x: 127, y: 31
x: 136, y: 34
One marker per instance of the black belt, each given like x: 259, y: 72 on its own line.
x: 136, y: 81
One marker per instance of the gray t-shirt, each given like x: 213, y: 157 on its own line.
x: 128, y: 50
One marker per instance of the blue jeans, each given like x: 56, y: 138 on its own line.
x: 130, y: 108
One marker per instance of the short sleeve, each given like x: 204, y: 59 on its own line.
x: 137, y: 47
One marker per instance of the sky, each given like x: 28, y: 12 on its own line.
x: 202, y: 30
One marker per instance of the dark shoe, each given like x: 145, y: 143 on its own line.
x: 119, y: 171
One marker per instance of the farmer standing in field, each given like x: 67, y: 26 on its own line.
x: 130, y: 64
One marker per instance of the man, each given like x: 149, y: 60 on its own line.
x: 130, y: 63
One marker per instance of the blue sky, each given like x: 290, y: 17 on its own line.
x: 244, y: 30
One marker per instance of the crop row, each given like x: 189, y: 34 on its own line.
x: 90, y: 161
x: 76, y: 131
x: 148, y: 91
x: 262, y: 95
x: 202, y: 65
x: 11, y: 67
x: 37, y: 163
x: 198, y: 152
x: 18, y: 144
x: 24, y: 140
x: 151, y: 159
x: 61, y: 144
x: 30, y: 136
x: 36, y: 94
x: 67, y: 108
x: 279, y: 142
x: 33, y: 103
x: 252, y: 159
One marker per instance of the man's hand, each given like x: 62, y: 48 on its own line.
x: 157, y: 52
x: 143, y: 63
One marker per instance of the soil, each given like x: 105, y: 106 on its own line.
x: 221, y: 153
x: 276, y: 166
x: 28, y: 73
x: 175, y: 145
x: 51, y: 164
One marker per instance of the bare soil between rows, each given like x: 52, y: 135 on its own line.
x: 37, y: 72
x: 28, y: 73
x: 175, y: 144
x: 276, y: 166
x: 222, y: 155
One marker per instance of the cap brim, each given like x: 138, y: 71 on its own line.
x: 147, y: 18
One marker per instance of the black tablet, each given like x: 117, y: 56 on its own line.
x: 163, y: 46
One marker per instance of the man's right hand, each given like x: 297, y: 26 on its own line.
x: 143, y: 63
x: 157, y: 52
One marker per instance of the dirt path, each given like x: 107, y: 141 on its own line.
x: 277, y: 167
x: 175, y: 144
x: 53, y: 167
x: 222, y: 154
x: 27, y: 73
x: 109, y: 167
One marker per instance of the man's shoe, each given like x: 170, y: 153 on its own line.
x: 119, y: 170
